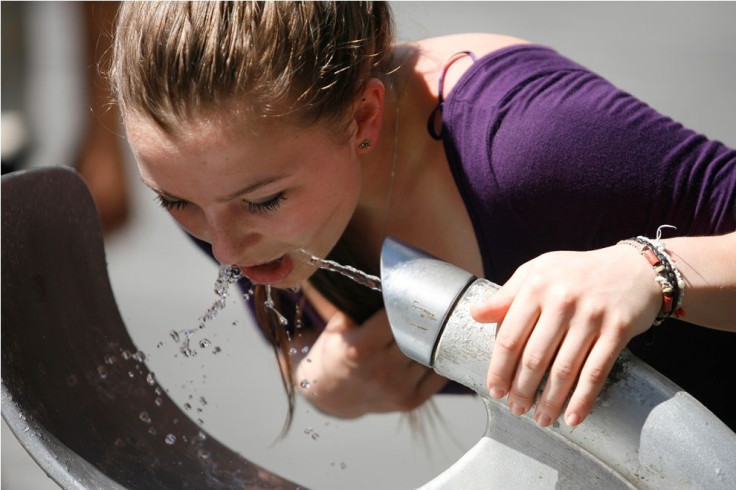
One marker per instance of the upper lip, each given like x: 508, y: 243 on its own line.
x: 262, y: 262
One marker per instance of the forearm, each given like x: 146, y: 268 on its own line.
x: 708, y: 266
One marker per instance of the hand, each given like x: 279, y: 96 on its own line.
x: 569, y: 313
x: 353, y: 370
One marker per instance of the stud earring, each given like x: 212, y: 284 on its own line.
x: 364, y: 145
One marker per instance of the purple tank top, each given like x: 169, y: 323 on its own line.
x: 550, y: 156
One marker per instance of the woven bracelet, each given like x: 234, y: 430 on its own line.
x: 668, y: 276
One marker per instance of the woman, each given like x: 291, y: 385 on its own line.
x: 267, y: 129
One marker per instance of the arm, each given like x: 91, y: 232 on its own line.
x: 571, y: 313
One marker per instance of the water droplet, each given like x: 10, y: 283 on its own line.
x: 315, y: 436
x: 187, y: 406
x: 158, y: 391
x: 145, y: 417
x: 102, y: 371
x: 204, y: 343
x: 125, y: 355
x: 159, y: 345
x: 343, y: 466
x: 204, y: 454
x: 304, y: 384
x: 293, y: 351
x: 269, y: 303
x: 188, y: 352
x: 202, y: 400
x: 200, y: 421
x: 119, y: 442
x: 201, y: 435
x: 170, y: 439
x: 305, y: 349
x: 139, y: 356
x: 109, y: 360
x: 158, y: 401
x: 308, y: 430
x: 174, y: 335
x: 131, y: 374
x: 216, y: 350
x: 150, y: 379
x: 152, y: 430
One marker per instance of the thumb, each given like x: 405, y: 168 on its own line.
x: 339, y: 322
x: 494, y: 308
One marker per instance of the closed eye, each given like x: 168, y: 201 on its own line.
x: 269, y: 204
x: 170, y: 204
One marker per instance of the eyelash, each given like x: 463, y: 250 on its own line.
x: 170, y: 205
x: 267, y: 206
x: 272, y: 204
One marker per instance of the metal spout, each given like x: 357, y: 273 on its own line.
x: 419, y: 293
x: 644, y: 431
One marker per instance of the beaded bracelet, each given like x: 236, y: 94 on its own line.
x: 668, y: 275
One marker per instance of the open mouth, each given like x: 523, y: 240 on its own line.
x: 270, y: 272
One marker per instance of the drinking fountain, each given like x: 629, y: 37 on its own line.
x: 74, y: 387
x: 643, y: 432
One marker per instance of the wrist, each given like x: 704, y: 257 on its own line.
x: 667, y: 276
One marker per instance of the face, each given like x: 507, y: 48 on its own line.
x: 257, y: 194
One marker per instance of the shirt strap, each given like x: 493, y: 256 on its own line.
x: 433, y: 117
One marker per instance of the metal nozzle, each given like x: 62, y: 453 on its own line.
x: 419, y: 293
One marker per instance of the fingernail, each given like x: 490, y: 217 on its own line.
x: 572, y: 419
x: 517, y: 409
x: 543, y: 419
x: 496, y: 392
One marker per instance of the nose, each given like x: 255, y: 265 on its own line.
x: 231, y: 239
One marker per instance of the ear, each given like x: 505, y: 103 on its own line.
x: 368, y: 116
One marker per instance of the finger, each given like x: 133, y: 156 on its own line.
x: 495, y: 307
x: 536, y: 357
x: 339, y: 322
x: 375, y: 333
x: 562, y: 375
x: 594, y: 373
x: 510, y: 341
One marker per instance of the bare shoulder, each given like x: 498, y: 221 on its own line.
x: 433, y: 54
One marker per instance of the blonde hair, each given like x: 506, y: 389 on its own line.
x: 308, y: 60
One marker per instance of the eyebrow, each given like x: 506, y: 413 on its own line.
x: 245, y: 190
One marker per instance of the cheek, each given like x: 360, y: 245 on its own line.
x: 193, y: 222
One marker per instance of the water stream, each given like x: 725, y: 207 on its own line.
x: 367, y: 280
x: 228, y: 275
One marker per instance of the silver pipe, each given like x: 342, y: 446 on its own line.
x: 643, y: 432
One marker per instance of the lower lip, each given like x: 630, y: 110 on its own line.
x: 271, y: 272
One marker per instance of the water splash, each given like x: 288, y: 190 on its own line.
x: 227, y: 275
x: 367, y: 280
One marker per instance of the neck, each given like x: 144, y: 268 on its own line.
x: 394, y: 167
